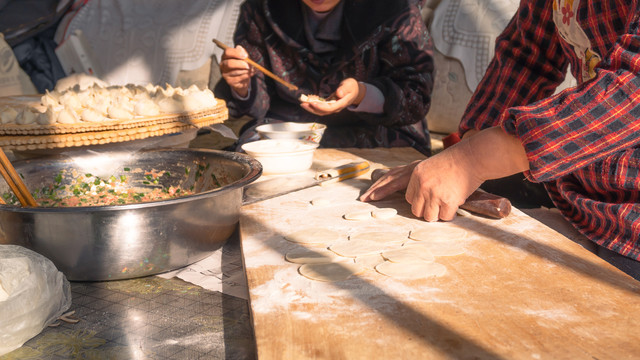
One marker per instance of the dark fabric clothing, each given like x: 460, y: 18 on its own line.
x: 23, y: 19
x: 29, y: 27
x: 583, y: 143
x: 382, y: 43
x: 38, y: 59
x: 521, y: 192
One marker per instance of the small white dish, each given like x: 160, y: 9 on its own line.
x: 282, y: 156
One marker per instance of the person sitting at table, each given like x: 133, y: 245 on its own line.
x: 374, y: 58
x: 583, y: 143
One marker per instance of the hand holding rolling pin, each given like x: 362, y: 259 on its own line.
x: 437, y: 186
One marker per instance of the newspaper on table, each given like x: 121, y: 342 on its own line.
x: 221, y: 271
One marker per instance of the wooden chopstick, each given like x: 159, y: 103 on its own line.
x: 14, y: 181
x: 265, y: 71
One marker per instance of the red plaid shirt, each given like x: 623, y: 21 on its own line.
x: 583, y: 143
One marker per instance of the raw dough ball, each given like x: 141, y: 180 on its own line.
x: 412, y: 271
x: 409, y: 253
x: 330, y: 271
x: 386, y: 213
x: 313, y: 236
x: 437, y: 232
x: 312, y: 256
x: 358, y: 215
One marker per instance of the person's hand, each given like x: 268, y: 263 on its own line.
x: 349, y: 92
x: 394, y: 180
x: 437, y: 186
x: 235, y: 71
x: 441, y: 183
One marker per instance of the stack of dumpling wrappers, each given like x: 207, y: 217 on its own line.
x: 104, y: 114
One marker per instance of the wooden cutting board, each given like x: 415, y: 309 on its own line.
x: 520, y: 291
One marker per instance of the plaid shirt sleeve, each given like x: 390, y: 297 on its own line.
x: 575, y: 128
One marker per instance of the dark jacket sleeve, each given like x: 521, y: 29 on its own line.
x: 248, y: 35
x: 406, y: 75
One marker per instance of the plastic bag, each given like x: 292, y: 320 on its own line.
x: 33, y: 294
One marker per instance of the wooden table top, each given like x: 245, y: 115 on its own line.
x: 520, y: 291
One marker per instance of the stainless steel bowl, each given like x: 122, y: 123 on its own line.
x: 132, y: 240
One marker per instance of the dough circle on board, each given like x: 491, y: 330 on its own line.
x: 380, y: 237
x: 357, y: 215
x: 312, y: 256
x: 409, y: 253
x: 330, y: 271
x: 441, y: 248
x: 369, y: 261
x: 361, y: 245
x: 412, y: 271
x: 313, y: 236
x: 354, y: 248
x: 383, y: 214
x: 437, y: 232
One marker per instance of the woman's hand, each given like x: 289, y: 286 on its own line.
x: 441, y: 183
x: 349, y: 92
x: 235, y: 71
x: 394, y: 180
x: 437, y: 186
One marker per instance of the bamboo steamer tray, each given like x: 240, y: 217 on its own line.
x: 219, y: 112
x: 41, y: 137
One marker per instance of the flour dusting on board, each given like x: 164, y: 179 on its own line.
x: 288, y: 288
x: 290, y: 291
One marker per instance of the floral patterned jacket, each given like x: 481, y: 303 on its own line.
x: 383, y: 43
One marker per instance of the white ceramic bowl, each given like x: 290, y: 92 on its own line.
x: 282, y: 156
x: 292, y: 130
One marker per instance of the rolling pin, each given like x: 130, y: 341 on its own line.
x: 479, y: 202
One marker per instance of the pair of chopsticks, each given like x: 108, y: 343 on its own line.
x: 275, y: 77
x: 14, y: 181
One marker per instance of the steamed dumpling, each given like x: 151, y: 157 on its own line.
x: 90, y: 115
x: 8, y: 115
x: 67, y: 116
x: 50, y: 98
x: 146, y: 107
x: 50, y: 116
x: 27, y: 116
x: 170, y: 105
x: 119, y: 112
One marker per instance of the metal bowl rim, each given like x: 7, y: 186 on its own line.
x: 254, y: 173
